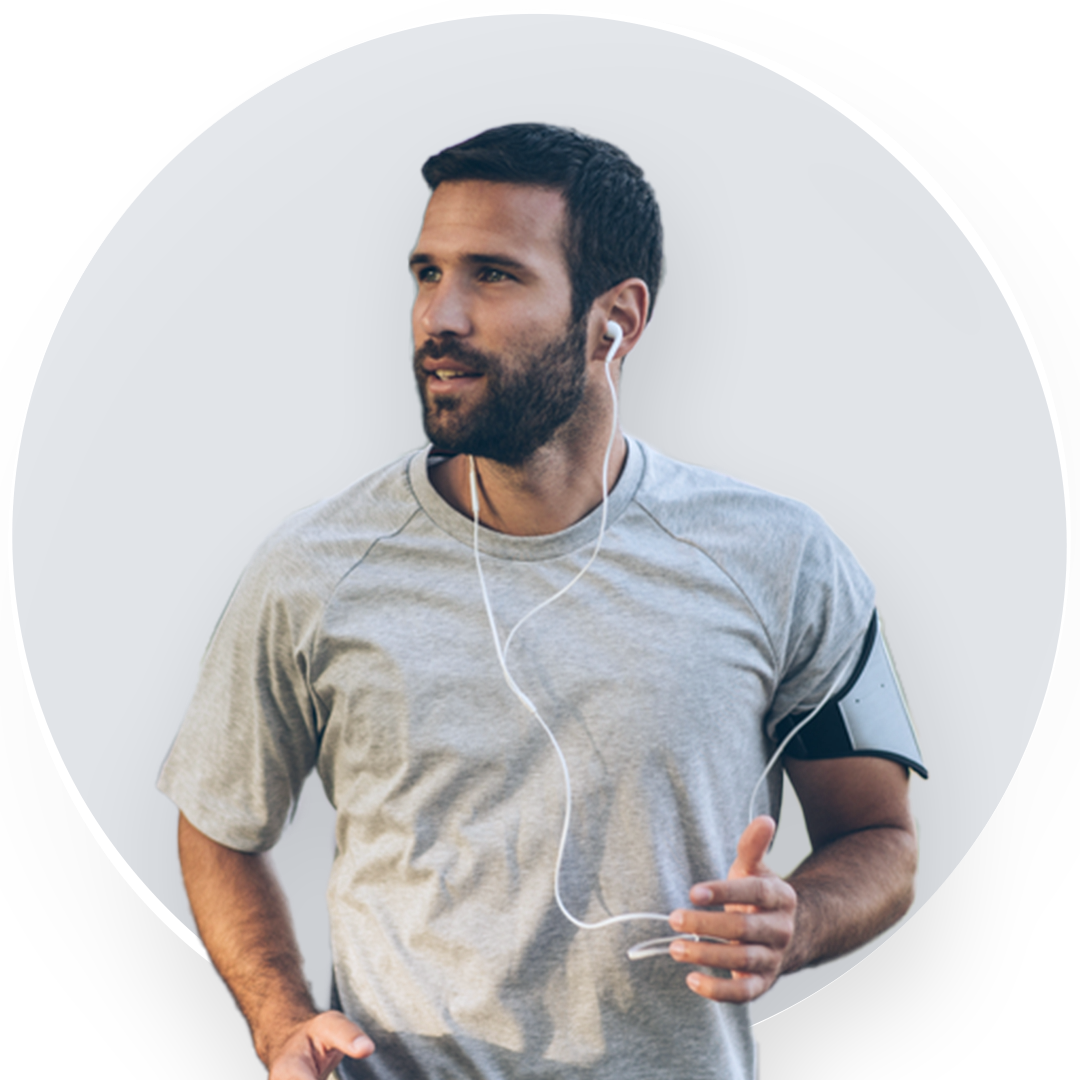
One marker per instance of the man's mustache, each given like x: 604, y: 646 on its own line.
x: 449, y: 347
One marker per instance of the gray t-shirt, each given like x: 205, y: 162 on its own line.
x: 357, y: 644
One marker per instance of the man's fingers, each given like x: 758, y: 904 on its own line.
x: 743, y: 973
x: 747, y: 869
x: 737, y: 990
x: 315, y: 1048
x: 744, y: 959
x: 762, y: 892
x: 772, y: 929
x: 755, y: 923
x: 336, y: 1031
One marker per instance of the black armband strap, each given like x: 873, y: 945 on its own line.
x: 868, y: 717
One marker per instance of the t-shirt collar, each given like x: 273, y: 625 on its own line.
x: 502, y: 545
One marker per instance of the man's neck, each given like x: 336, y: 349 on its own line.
x: 546, y: 494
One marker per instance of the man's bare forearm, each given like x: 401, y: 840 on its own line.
x: 849, y: 891
x: 244, y: 921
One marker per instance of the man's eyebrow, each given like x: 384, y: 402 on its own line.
x: 420, y: 258
x: 496, y: 260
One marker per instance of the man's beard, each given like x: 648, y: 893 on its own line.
x: 526, y: 400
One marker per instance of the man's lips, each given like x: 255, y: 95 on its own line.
x: 445, y: 372
x: 445, y: 375
x: 435, y: 365
x: 446, y: 367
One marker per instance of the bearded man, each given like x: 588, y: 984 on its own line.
x: 515, y: 805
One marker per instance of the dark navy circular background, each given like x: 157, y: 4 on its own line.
x: 239, y: 347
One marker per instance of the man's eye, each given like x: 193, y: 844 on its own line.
x: 491, y: 274
x: 427, y: 274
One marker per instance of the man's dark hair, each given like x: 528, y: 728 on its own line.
x: 613, y: 220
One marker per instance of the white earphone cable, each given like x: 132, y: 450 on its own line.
x: 656, y: 946
x: 501, y: 647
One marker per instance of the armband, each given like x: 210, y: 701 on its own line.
x: 867, y: 718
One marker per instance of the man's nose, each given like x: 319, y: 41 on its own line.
x: 444, y: 309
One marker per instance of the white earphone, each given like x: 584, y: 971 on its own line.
x: 615, y: 332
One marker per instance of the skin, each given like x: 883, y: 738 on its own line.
x: 491, y: 272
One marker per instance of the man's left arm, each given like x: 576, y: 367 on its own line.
x: 857, y: 882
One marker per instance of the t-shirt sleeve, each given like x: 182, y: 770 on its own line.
x: 821, y: 619
x: 812, y: 599
x: 250, y: 735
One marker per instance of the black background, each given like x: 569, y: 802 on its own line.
x: 118, y: 991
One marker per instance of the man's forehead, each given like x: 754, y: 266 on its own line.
x: 465, y: 213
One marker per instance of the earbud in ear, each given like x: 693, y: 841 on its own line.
x: 614, y: 331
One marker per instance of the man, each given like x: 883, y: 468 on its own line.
x: 360, y: 643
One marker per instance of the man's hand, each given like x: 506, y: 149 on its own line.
x: 316, y: 1047
x: 757, y: 922
x: 857, y: 882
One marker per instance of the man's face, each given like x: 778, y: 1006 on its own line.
x: 498, y: 365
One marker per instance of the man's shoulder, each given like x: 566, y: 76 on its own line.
x: 314, y: 547
x: 376, y: 504
x: 779, y: 552
x: 702, y: 505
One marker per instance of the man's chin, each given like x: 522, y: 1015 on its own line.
x: 452, y: 443
x: 448, y: 441
x: 443, y: 426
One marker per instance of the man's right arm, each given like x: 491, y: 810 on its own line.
x: 243, y: 919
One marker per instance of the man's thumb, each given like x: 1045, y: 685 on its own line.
x: 753, y: 844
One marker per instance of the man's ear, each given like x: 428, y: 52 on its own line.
x: 627, y: 304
